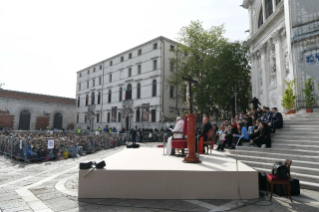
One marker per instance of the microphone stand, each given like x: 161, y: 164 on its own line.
x: 238, y: 185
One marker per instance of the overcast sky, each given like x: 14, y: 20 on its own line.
x: 44, y: 43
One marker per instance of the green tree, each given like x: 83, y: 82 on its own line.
x: 220, y: 67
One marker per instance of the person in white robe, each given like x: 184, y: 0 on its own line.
x: 179, y: 126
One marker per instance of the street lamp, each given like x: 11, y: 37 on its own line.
x: 235, y: 94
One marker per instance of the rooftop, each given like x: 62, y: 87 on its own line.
x: 36, y: 97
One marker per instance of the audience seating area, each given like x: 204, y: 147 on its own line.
x: 298, y: 140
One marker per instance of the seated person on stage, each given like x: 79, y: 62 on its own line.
x: 178, y: 129
x: 243, y: 135
x: 263, y: 136
x: 276, y: 121
x: 203, y: 136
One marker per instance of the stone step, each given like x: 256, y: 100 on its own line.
x: 297, y: 133
x: 273, y: 160
x: 277, y: 145
x: 296, y: 136
x: 282, y: 156
x: 294, y: 168
x: 280, y: 151
x: 301, y: 177
x: 309, y: 185
x: 301, y: 127
x: 277, y: 140
x: 299, y: 122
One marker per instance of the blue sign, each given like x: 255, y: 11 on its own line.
x: 313, y: 59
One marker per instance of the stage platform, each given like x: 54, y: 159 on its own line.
x: 145, y: 173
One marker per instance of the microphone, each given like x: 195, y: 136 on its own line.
x: 238, y: 185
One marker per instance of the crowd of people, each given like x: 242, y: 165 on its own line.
x: 253, y: 127
x: 38, y: 147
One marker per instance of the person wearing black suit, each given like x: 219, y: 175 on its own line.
x: 263, y: 137
x: 255, y: 103
x: 268, y: 116
x: 276, y: 121
x: 133, y: 132
x: 203, y: 136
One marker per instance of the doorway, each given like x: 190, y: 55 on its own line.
x: 25, y: 119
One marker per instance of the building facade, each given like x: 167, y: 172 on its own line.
x: 129, y: 90
x: 29, y: 111
x: 272, y: 51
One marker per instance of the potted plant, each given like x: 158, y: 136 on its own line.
x: 288, y: 99
x: 308, y: 91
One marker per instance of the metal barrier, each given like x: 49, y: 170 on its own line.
x: 39, y: 146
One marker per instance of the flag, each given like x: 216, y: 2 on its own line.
x: 124, y: 93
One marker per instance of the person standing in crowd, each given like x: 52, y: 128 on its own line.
x: 141, y: 135
x: 79, y: 130
x: 133, y: 133
x: 203, y: 136
x: 255, y: 102
x: 276, y: 121
x: 177, y: 133
x: 99, y: 129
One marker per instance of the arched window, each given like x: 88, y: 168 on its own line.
x: 86, y: 100
x: 25, y: 119
x: 129, y: 92
x: 120, y: 94
x: 58, y: 118
x: 260, y: 19
x: 92, y: 98
x: 269, y: 8
x: 138, y: 115
x: 99, y: 98
x: 138, y: 90
x: 78, y: 101
x: 154, y: 89
x: 110, y: 96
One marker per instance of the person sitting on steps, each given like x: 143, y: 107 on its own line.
x: 263, y: 137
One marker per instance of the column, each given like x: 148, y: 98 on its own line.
x: 262, y: 50
x: 273, y: 5
x: 280, y: 68
x: 251, y: 28
x: 264, y: 10
x: 254, y: 72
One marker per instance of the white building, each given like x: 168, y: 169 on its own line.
x: 141, y: 73
x: 271, y: 43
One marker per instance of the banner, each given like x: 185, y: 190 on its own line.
x: 50, y: 144
x: 146, y: 112
x: 114, y: 112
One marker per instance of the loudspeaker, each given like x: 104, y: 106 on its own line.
x: 133, y: 146
x: 86, y: 165
x: 100, y: 164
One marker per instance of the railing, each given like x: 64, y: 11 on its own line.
x: 301, y: 102
x: 39, y: 146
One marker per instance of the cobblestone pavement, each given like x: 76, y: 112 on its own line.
x: 52, y: 186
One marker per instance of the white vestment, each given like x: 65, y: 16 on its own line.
x: 179, y: 126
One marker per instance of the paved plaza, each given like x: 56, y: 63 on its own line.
x: 52, y: 186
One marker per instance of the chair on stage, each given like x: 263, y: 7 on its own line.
x: 210, y: 140
x: 272, y: 179
x: 181, y: 143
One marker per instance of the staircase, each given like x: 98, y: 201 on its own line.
x: 298, y: 140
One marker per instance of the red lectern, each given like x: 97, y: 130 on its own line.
x: 191, y: 140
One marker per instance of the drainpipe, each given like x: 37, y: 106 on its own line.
x: 102, y: 94
x: 163, y: 78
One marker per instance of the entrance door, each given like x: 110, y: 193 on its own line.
x: 24, y: 121
x: 127, y: 123
x: 58, y: 118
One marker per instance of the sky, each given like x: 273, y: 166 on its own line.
x: 43, y: 43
